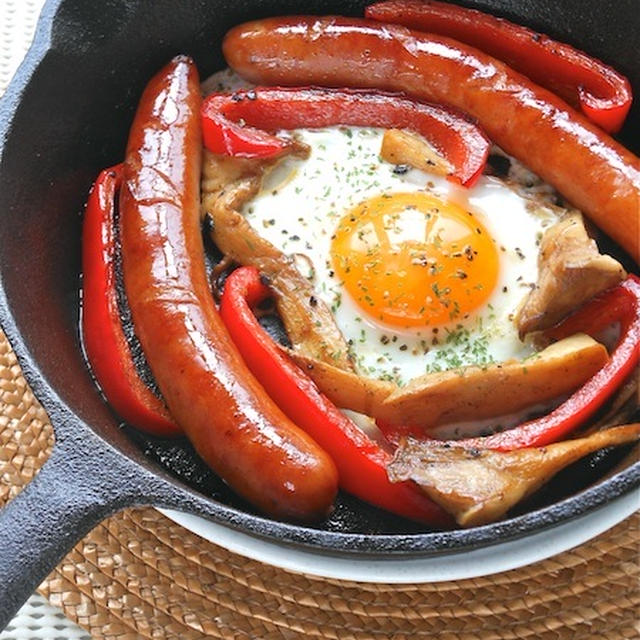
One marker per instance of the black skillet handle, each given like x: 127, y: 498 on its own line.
x: 69, y: 496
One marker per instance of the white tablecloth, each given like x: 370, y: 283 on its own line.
x: 37, y: 619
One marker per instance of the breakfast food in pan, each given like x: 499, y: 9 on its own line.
x: 453, y: 337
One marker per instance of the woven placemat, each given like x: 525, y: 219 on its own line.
x: 139, y: 575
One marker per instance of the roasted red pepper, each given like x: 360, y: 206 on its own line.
x: 457, y: 139
x: 598, y: 313
x: 361, y: 462
x: 603, y: 94
x: 622, y: 304
x: 104, y: 340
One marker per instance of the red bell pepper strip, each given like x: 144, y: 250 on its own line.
x: 460, y: 141
x: 104, y: 340
x: 592, y: 318
x: 361, y: 462
x: 603, y: 94
x: 595, y: 315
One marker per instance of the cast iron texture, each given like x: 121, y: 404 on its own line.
x: 64, y: 117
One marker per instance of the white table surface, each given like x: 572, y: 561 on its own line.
x: 37, y: 619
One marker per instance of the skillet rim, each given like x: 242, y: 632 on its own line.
x: 173, y: 493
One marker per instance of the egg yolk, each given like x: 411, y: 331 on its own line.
x: 410, y: 259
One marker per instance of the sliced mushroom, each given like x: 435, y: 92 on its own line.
x: 227, y: 184
x: 497, y: 389
x: 464, y: 394
x: 403, y: 147
x: 221, y: 172
x: 480, y: 486
x: 345, y: 389
x: 572, y: 271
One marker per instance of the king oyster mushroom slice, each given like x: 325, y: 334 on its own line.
x: 346, y: 389
x: 480, y: 486
x: 472, y: 393
x: 228, y: 183
x: 623, y: 407
x: 404, y: 147
x: 476, y: 393
x: 571, y: 272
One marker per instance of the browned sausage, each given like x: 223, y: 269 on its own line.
x: 233, y: 424
x: 585, y: 165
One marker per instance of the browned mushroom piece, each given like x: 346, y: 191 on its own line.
x: 228, y: 183
x: 346, y: 389
x: 476, y: 393
x: 572, y: 271
x: 405, y: 147
x: 469, y: 393
x: 480, y: 486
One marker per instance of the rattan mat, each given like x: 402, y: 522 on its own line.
x: 139, y: 575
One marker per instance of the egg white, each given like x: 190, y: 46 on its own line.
x: 302, y: 201
x: 298, y: 210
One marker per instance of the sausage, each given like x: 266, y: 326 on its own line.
x: 235, y: 427
x: 589, y: 168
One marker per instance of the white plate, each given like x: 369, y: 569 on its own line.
x: 452, y: 566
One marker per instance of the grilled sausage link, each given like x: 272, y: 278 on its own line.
x: 589, y: 168
x: 235, y: 427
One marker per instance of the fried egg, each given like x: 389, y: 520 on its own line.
x: 421, y: 275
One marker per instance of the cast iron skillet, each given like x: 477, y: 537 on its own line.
x: 64, y: 117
